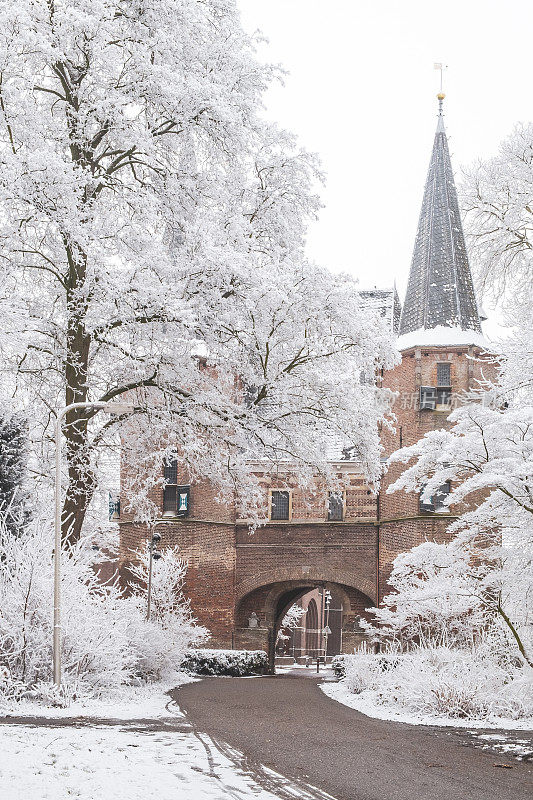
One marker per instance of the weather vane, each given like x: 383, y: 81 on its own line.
x: 441, y: 67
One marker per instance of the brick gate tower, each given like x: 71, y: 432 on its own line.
x: 240, y: 586
x: 442, y: 350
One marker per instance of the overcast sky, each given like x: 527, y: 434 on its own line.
x: 362, y: 94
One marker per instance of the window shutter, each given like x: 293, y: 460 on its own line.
x: 183, y: 500
x: 428, y: 398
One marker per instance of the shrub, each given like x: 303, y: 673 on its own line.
x: 236, y: 663
x: 106, y: 639
x: 443, y: 681
x: 338, y: 666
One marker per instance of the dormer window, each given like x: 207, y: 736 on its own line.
x: 436, y: 503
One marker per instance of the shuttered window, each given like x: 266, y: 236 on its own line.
x: 176, y: 498
x: 435, y: 504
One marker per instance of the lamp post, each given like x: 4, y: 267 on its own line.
x: 155, y: 555
x: 327, y: 629
x: 110, y: 408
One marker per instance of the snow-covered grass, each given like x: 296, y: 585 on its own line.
x: 100, y: 758
x: 150, y: 701
x: 368, y: 703
x: 438, y: 686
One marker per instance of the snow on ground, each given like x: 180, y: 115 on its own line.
x: 140, y: 747
x: 144, y: 702
x: 366, y: 704
x: 496, y: 741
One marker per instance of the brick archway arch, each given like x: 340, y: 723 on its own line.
x: 306, y: 577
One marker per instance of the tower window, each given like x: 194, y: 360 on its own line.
x: 335, y: 507
x: 436, y: 504
x: 176, y: 498
x: 444, y: 374
x: 444, y: 391
x: 279, y: 505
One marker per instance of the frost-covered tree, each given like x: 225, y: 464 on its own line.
x: 435, y: 600
x: 290, y: 621
x: 152, y: 236
x: 13, y: 448
x: 497, y: 202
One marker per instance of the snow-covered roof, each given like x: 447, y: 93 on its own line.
x: 441, y: 335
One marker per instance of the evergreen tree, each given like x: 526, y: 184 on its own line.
x: 13, y: 435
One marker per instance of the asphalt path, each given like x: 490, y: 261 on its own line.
x: 286, y: 723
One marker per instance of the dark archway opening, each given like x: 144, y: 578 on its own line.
x: 308, y: 624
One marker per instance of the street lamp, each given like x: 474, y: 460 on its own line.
x: 155, y: 555
x: 327, y: 629
x: 109, y: 408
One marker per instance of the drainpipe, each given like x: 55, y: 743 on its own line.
x: 378, y: 527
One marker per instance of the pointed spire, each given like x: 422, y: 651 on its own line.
x: 440, y: 291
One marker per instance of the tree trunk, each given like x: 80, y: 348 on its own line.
x: 81, y: 479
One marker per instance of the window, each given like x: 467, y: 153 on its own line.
x: 280, y: 505
x: 443, y: 374
x: 176, y: 498
x: 444, y: 398
x: 444, y: 391
x: 435, y: 504
x: 335, y: 507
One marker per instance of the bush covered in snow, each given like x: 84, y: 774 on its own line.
x: 106, y: 639
x: 338, y: 665
x: 443, y: 681
x: 236, y: 663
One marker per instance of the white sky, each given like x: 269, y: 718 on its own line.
x: 362, y: 94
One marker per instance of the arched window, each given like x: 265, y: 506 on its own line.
x: 311, y: 629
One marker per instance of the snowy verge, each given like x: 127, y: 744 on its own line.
x: 365, y: 702
x: 150, y: 701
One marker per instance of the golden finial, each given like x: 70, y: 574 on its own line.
x: 441, y: 95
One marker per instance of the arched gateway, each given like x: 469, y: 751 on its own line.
x: 260, y: 612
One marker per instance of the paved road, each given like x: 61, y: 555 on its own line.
x: 288, y: 724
